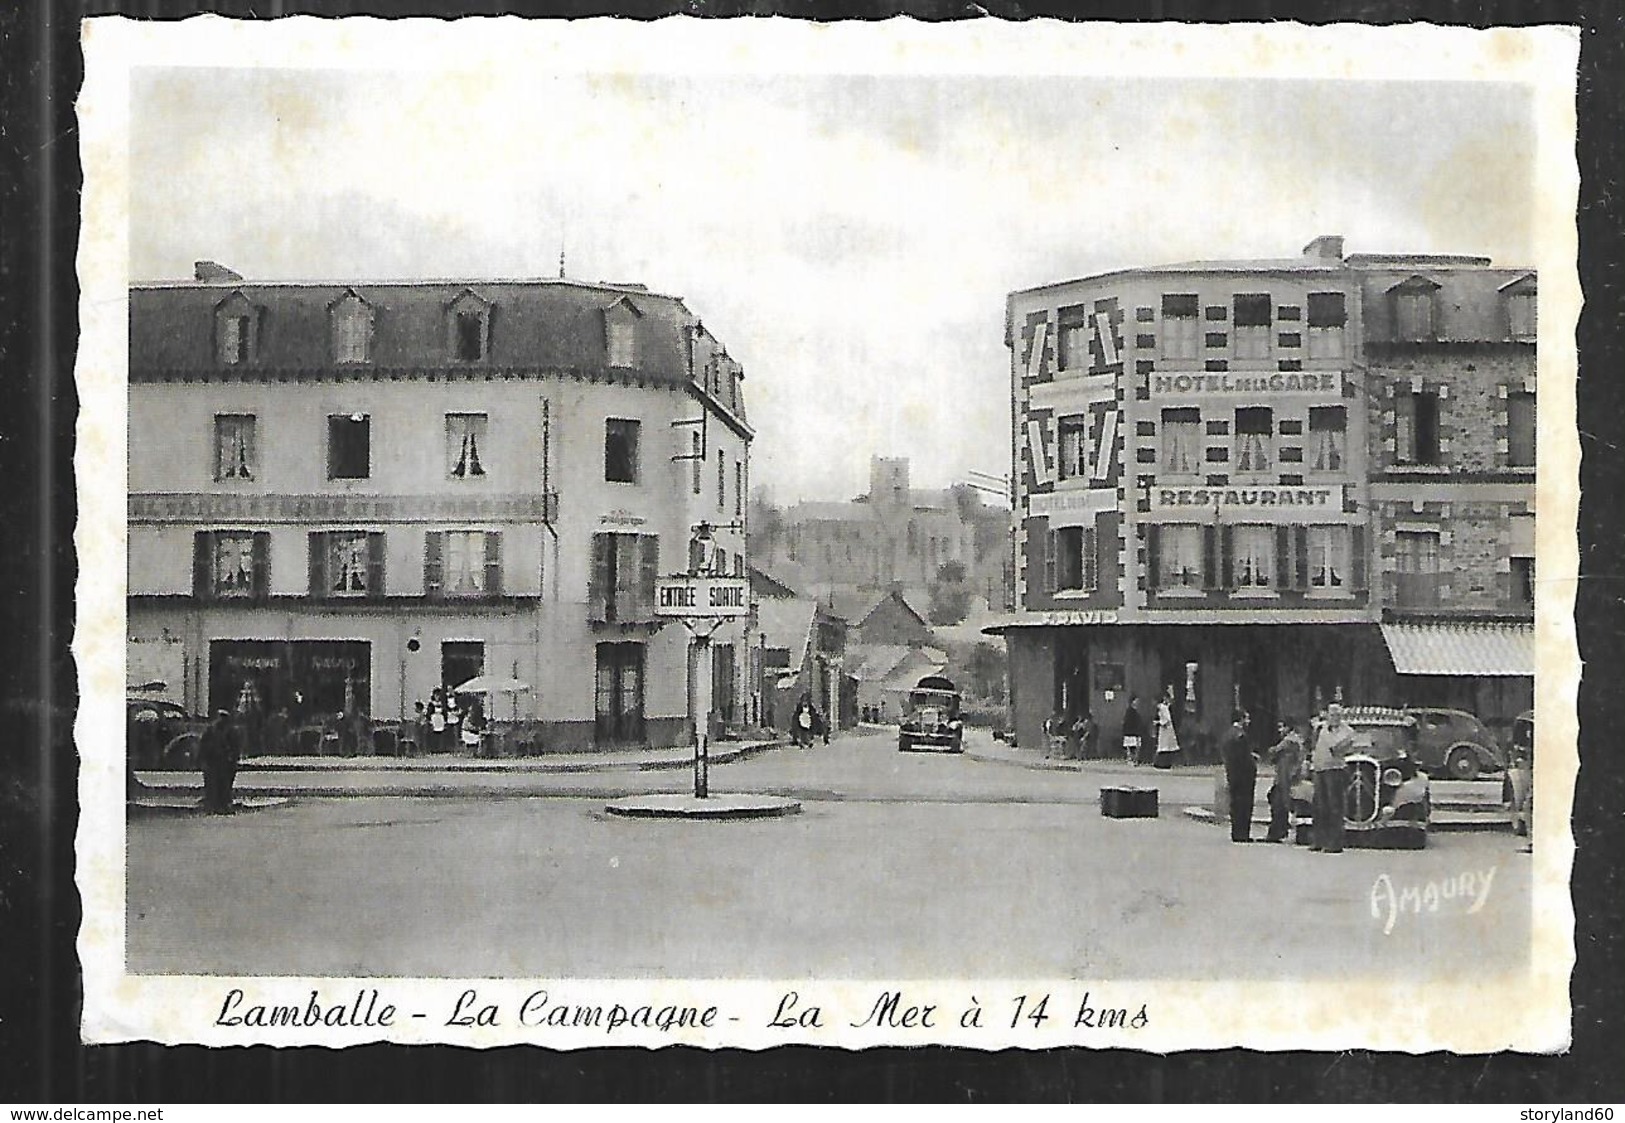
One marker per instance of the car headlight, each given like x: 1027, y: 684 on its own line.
x: 1386, y: 813
x: 1391, y: 777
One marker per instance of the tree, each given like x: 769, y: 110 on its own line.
x: 950, y: 595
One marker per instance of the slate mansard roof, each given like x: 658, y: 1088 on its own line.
x: 533, y: 326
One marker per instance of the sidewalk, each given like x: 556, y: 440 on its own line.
x: 266, y: 778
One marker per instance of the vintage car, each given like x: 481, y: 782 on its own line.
x: 1455, y: 744
x: 1520, y: 782
x: 932, y: 720
x: 1387, y: 801
x: 160, y: 733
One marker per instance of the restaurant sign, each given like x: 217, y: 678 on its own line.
x: 1189, y: 500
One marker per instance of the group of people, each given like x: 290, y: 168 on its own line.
x: 806, y: 723
x: 1321, y: 745
x: 445, y: 725
x: 1079, y: 737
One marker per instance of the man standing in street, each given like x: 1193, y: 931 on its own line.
x: 1287, y: 759
x: 217, y: 756
x: 1332, y: 743
x: 1240, y: 777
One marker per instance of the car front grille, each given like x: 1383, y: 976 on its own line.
x: 1364, y: 796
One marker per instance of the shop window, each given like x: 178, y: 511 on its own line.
x: 462, y: 563
x: 1328, y: 558
x: 349, y: 446
x: 1255, y: 439
x: 1327, y: 318
x: 1327, y: 438
x: 1182, y: 441
x: 347, y: 563
x: 234, y: 452
x: 350, y: 321
x: 621, y: 450
x: 230, y: 564
x: 465, y: 445
x: 1416, y: 427
x: 1181, y: 326
x: 1072, y: 439
x: 1252, y: 557
x: 621, y: 581
x: 1416, y: 564
x: 1251, y: 325
x: 1076, y: 564
x: 1521, y: 430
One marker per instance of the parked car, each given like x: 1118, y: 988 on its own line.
x: 160, y: 733
x: 1387, y: 802
x: 1454, y: 743
x: 932, y: 720
x: 1520, y: 793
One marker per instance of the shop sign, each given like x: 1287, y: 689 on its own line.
x: 1319, y: 383
x: 1079, y: 504
x: 1325, y: 498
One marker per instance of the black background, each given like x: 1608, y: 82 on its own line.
x: 40, y: 1055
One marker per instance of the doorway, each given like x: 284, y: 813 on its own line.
x: 618, y: 717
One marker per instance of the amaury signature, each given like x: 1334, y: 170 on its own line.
x: 1387, y: 903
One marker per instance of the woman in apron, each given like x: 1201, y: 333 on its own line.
x: 1167, y: 737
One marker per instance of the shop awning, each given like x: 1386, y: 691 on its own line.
x: 1467, y: 649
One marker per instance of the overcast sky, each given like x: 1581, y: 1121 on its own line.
x: 851, y: 239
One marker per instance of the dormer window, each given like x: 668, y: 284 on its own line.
x: 1414, y: 319
x: 236, y: 330
x: 350, y: 319
x: 468, y: 328
x: 1520, y: 308
x: 621, y: 333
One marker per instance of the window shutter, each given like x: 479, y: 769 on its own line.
x: 1357, y: 556
x: 1227, y: 556
x: 598, y: 578
x: 493, y: 563
x: 1091, y: 560
x: 1050, y: 546
x: 203, y: 565
x: 1153, y: 557
x: 262, y: 564
x: 1210, y: 557
x: 1300, y: 555
x: 318, y: 564
x: 375, y: 565
x: 1283, y: 558
x: 434, y: 567
x: 648, y: 573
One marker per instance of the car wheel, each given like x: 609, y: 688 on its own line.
x: 903, y: 745
x: 181, y: 752
x: 1462, y: 763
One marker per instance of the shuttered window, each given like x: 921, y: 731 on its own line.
x: 462, y: 563
x: 621, y: 581
x: 231, y: 564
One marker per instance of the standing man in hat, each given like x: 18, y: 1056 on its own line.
x: 217, y: 756
x: 1332, y: 743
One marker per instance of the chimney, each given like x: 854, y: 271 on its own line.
x: 1327, y: 247
x: 214, y: 271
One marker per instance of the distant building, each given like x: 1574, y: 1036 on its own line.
x: 896, y: 537
x: 347, y: 494
x: 1273, y: 483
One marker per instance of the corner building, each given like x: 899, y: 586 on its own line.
x: 346, y: 495
x: 1193, y: 453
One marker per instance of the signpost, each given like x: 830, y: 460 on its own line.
x: 703, y: 602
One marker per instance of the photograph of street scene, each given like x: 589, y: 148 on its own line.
x: 853, y: 525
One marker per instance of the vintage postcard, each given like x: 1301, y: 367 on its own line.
x: 740, y: 533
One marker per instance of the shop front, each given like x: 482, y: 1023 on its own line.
x: 310, y: 679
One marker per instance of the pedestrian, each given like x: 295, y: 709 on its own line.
x: 437, y: 721
x: 248, y: 717
x: 420, y: 727
x: 1167, y: 735
x: 217, y: 756
x: 820, y: 724
x: 801, y: 724
x: 1081, y: 744
x: 1332, y: 744
x: 274, y: 740
x: 1133, y: 731
x: 473, y: 742
x: 1286, y: 758
x: 454, y: 721
x: 1055, y: 732
x: 1240, y: 777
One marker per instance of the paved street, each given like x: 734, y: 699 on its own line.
x: 900, y: 865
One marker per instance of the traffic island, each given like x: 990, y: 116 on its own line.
x: 710, y: 807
